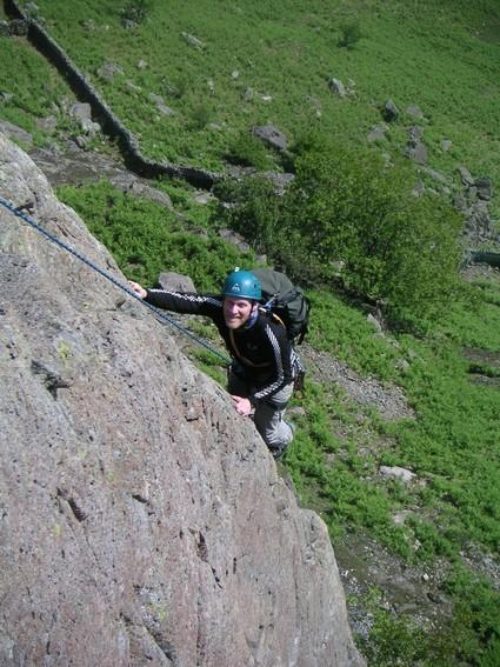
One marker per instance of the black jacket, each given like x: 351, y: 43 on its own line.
x: 263, y: 349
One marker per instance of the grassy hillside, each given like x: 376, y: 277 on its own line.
x: 267, y: 62
x: 271, y: 62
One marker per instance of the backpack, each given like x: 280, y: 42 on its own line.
x: 285, y: 301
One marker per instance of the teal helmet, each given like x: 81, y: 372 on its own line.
x: 242, y: 284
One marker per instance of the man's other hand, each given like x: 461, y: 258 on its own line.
x: 242, y: 405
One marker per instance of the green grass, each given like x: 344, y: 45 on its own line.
x: 34, y: 88
x: 452, y: 446
x: 415, y: 53
x: 341, y: 330
x: 146, y: 239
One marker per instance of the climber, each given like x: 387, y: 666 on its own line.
x: 260, y: 378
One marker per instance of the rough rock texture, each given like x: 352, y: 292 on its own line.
x: 142, y: 521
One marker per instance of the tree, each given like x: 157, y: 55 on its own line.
x: 346, y: 208
x: 395, y: 248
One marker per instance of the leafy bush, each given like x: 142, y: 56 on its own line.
x: 351, y: 34
x: 145, y: 239
x: 248, y: 151
x: 345, y: 209
x: 394, y: 247
x: 136, y: 11
x: 252, y: 209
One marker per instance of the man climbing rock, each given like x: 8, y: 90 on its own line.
x: 264, y: 362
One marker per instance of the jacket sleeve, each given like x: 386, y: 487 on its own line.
x: 282, y: 353
x: 185, y: 302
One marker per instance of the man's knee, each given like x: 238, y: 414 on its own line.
x: 276, y: 433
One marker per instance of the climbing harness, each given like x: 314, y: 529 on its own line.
x: 18, y: 212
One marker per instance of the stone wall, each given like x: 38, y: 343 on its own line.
x: 110, y: 123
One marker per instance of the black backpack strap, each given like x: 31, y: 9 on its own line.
x: 239, y: 356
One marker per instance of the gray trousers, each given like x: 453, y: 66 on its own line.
x: 269, y: 413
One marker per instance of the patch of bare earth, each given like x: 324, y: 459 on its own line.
x: 389, y: 400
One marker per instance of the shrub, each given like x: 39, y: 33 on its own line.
x: 201, y: 116
x: 252, y: 209
x: 136, y: 11
x: 248, y: 151
x: 351, y: 34
x: 345, y: 209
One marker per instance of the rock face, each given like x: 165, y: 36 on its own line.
x: 142, y: 521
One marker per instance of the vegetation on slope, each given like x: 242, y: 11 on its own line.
x: 272, y: 62
x: 451, y: 446
x: 348, y: 219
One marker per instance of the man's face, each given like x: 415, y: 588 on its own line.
x: 237, y: 311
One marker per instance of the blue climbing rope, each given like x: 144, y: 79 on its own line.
x: 105, y: 274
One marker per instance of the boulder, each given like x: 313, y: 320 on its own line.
x: 479, y: 226
x: 374, y: 322
x: 127, y: 182
x: 437, y: 176
x: 417, y: 153
x: 390, y: 111
x: 473, y: 202
x: 415, y: 111
x: 175, y: 282
x: 484, y: 188
x: 280, y: 180
x: 47, y: 124
x: 465, y: 176
x: 378, y: 133
x: 271, y: 136
x: 395, y: 472
x: 142, y: 520
x: 416, y: 150
x: 18, y: 27
x: 160, y: 104
x: 235, y: 239
x: 82, y: 113
x: 337, y: 87
x: 193, y: 41
x: 203, y: 198
x: 108, y: 71
x: 16, y: 133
